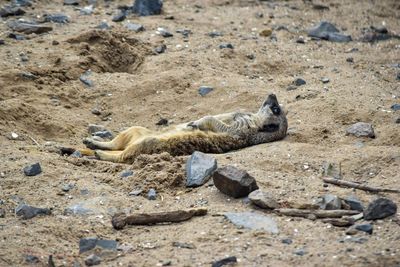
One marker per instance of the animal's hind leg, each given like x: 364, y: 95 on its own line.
x: 112, y: 156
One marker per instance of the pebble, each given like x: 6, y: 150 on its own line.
x: 134, y: 27
x: 72, y: 2
x: 164, y: 32
x: 31, y: 259
x: 2, y: 213
x: 350, y: 60
x: 354, y: 229
x: 95, y: 128
x: 214, y: 34
x: 57, y: 18
x: 87, y: 244
x: 327, y: 31
x: 2, y: 42
x: 300, y: 40
x: 28, y: 212
x: 361, y: 129
x: 265, y: 32
x: 263, y: 199
x: 204, y: 90
x: 15, y: 36
x: 7, y: 11
x: 253, y: 221
x: 299, y: 82
x: 325, y: 80
x: 395, y: 107
x: 126, y: 173
x: 147, y: 7
x: 183, y: 245
x: 28, y: 27
x: 199, y: 168
x: 234, y: 182
x: 55, y: 42
x: 160, y: 49
x: 162, y: 122
x: 354, y: 203
x: 224, y: 261
x: 24, y: 57
x: 226, y: 45
x: 121, y: 16
x: 76, y: 154
x: 84, y: 78
x: 103, y: 26
x: 87, y: 10
x: 92, y: 260
x: 300, y: 252
x: 184, y: 32
x: 33, y: 169
x: 96, y: 111
x: 67, y: 187
x: 287, y: 241
x: 330, y: 202
x: 398, y: 120
x: 135, y: 192
x: 152, y: 194
x: 380, y: 208
x: 103, y: 134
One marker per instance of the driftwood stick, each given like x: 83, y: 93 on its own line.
x: 317, y: 213
x: 359, y: 186
x: 119, y: 221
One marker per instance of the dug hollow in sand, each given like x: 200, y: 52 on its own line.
x: 210, y: 134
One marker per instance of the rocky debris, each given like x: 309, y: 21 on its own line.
x: 327, y: 31
x: 8, y: 11
x: 164, y: 32
x: 28, y: 27
x: 103, y: 26
x: 214, y: 34
x: 152, y: 194
x: 162, y: 122
x: 226, y: 46
x: 15, y: 36
x: 300, y: 252
x: 204, y: 90
x: 103, y: 134
x: 299, y: 82
x: 31, y: 259
x: 67, y: 187
x: 87, y: 10
x: 183, y: 245
x: 120, y: 16
x: 33, y: 169
x: 2, y: 213
x: 287, y: 241
x: 96, y: 111
x: 185, y: 32
x: 199, y: 168
x: 147, y: 7
x: 160, y: 49
x: 84, y: 78
x: 126, y: 173
x: 354, y: 203
x: 325, y: 80
x: 135, y: 192
x: 72, y: 2
x: 395, y: 107
x: 265, y: 32
x: 331, y: 170
x: 95, y: 128
x: 380, y: 208
x: 300, y: 40
x: 225, y: 261
x: 263, y: 199
x: 376, y: 34
x: 134, y: 27
x: 361, y: 129
x: 354, y: 229
x: 252, y: 220
x: 57, y: 18
x: 28, y: 212
x: 92, y: 260
x: 234, y: 182
x: 86, y: 244
x: 330, y: 202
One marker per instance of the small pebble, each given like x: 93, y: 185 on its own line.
x: 299, y: 82
x: 33, y: 169
x: 350, y: 60
x: 325, y: 80
x: 152, y: 194
x: 204, y: 90
x: 227, y: 45
x: 164, y: 32
x: 160, y: 49
x: 92, y: 260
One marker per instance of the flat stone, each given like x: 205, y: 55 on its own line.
x: 134, y: 27
x: 84, y: 78
x: 204, y: 90
x: 28, y: 27
x: 354, y: 203
x: 103, y: 134
x: 214, y: 34
x: 395, y: 107
x: 263, y: 199
x: 164, y: 32
x: 287, y: 241
x: 234, y: 182
x: 330, y: 202
x: 361, y: 129
x: 327, y: 31
x: 7, y: 11
x: 86, y: 244
x: 252, y: 220
x: 33, y: 170
x: 28, y: 212
x: 92, y: 260
x: 152, y: 194
x: 121, y: 16
x: 299, y: 82
x: 224, y: 261
x: 325, y: 80
x: 72, y: 2
x: 199, y: 168
x: 95, y: 128
x: 183, y: 245
x: 135, y: 192
x: 226, y: 45
x: 147, y: 7
x: 380, y: 208
x: 57, y: 18
x: 126, y: 173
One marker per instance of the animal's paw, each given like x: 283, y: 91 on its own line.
x: 193, y: 125
x: 88, y: 142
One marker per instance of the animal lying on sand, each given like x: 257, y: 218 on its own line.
x: 210, y: 134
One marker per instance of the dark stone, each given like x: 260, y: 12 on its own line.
x: 84, y: 78
x: 103, y: 134
x: 300, y: 252
x: 183, y: 245
x: 251, y: 56
x: 354, y: 203
x: 380, y: 208
x: 28, y: 212
x: 234, y: 182
x: 7, y: 11
x: 147, y: 7
x: 287, y: 241
x: 92, y: 260
x: 50, y: 261
x: 164, y: 32
x: 55, y: 42
x: 95, y: 128
x: 330, y: 202
x: 169, y: 17
x: 134, y: 27
x: 28, y: 27
x: 58, y: 18
x: 86, y: 244
x: 300, y: 40
x: 320, y: 7
x: 33, y: 169
x: 299, y: 82
x: 395, y: 107
x: 160, y: 49
x: 121, y: 16
x: 184, y: 32
x: 67, y: 151
x: 199, y: 168
x: 376, y: 34
x: 361, y: 129
x: 204, y: 90
x: 72, y: 2
x: 366, y: 227
x: 152, y: 194
x: 350, y: 60
x: 252, y: 220
x: 162, y: 122
x: 327, y: 31
x: 16, y: 36
x: 214, y: 34
x: 224, y: 261
x: 126, y: 173
x: 227, y: 45
x: 2, y: 213
x: 31, y: 259
x: 398, y: 120
x: 103, y: 26
x: 2, y: 42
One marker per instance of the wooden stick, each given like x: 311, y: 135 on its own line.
x: 358, y: 186
x: 317, y: 213
x: 341, y: 222
x: 119, y: 221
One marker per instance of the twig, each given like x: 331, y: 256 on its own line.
x: 341, y: 222
x: 36, y: 142
x: 317, y: 213
x: 358, y: 186
x: 119, y: 221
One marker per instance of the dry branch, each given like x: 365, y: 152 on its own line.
x: 359, y: 186
x: 317, y: 213
x: 119, y: 221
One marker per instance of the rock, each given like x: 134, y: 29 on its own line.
x: 135, y: 192
x: 33, y: 169
x: 162, y: 122
x: 152, y: 194
x: 2, y: 213
x: 331, y: 170
x: 2, y: 42
x: 375, y: 34
x: 57, y: 18
x: 300, y: 40
x: 204, y: 90
x: 359, y: 240
x: 234, y: 182
x: 299, y: 82
x: 366, y: 227
x: 252, y: 220
x: 263, y: 199
x: 225, y: 261
x: 84, y: 78
x: 380, y: 208
x: 76, y: 154
x: 103, y: 134
x: 147, y: 7
x: 72, y: 2
x: 330, y: 202
x: 96, y: 111
x: 164, y: 32
x: 184, y: 32
x: 92, y: 260
x: 15, y: 36
x: 361, y: 129
x: 31, y: 259
x: 327, y: 31
x: 95, y: 128
x: 214, y: 34
x: 28, y: 27
x: 325, y: 80
x: 55, y: 42
x: 103, y: 26
x: 87, y: 10
x: 121, y: 16
x: 199, y: 168
x: 126, y: 173
x: 395, y: 107
x: 134, y: 27
x: 67, y: 187
x: 226, y: 45
x: 160, y: 49
x: 300, y: 252
x: 183, y: 245
x: 78, y: 209
x: 354, y: 203
x: 24, y: 57
x: 266, y: 32
x: 287, y: 241
x: 86, y: 244
x: 28, y: 212
x: 7, y: 11
x: 22, y: 2
x: 350, y: 60
x: 398, y: 120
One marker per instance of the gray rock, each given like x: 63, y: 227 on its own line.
x: 72, y: 2
x: 134, y: 27
x: 95, y: 128
x: 214, y: 34
x: 24, y: 57
x: 2, y: 213
x: 57, y: 18
x: 354, y: 203
x: 33, y: 169
x: 252, y: 220
x: 299, y: 82
x: 86, y: 244
x: 184, y: 32
x: 67, y: 187
x: 263, y: 199
x: 330, y: 202
x: 204, y: 90
x: 22, y: 2
x: 135, y: 192
x: 300, y: 252
x: 7, y: 11
x: 287, y: 241
x: 361, y: 129
x: 380, y: 208
x: 164, y: 32
x: 152, y: 194
x: 84, y: 78
x: 76, y: 154
x: 126, y: 173
x: 234, y: 182
x: 103, y: 134
x: 199, y: 168
x: 92, y: 260
x: 121, y: 16
x: 16, y: 36
x: 327, y: 31
x: 395, y: 107
x: 226, y: 45
x: 28, y: 212
x: 31, y: 259
x: 28, y: 27
x: 103, y: 26
x: 147, y: 7
x: 354, y: 239
x: 87, y: 10
x: 225, y: 261
x: 354, y: 229
x: 160, y: 49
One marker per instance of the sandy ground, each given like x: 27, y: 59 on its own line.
x: 135, y: 86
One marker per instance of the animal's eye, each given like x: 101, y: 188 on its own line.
x: 276, y: 110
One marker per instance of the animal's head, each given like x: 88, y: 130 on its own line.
x: 273, y: 116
